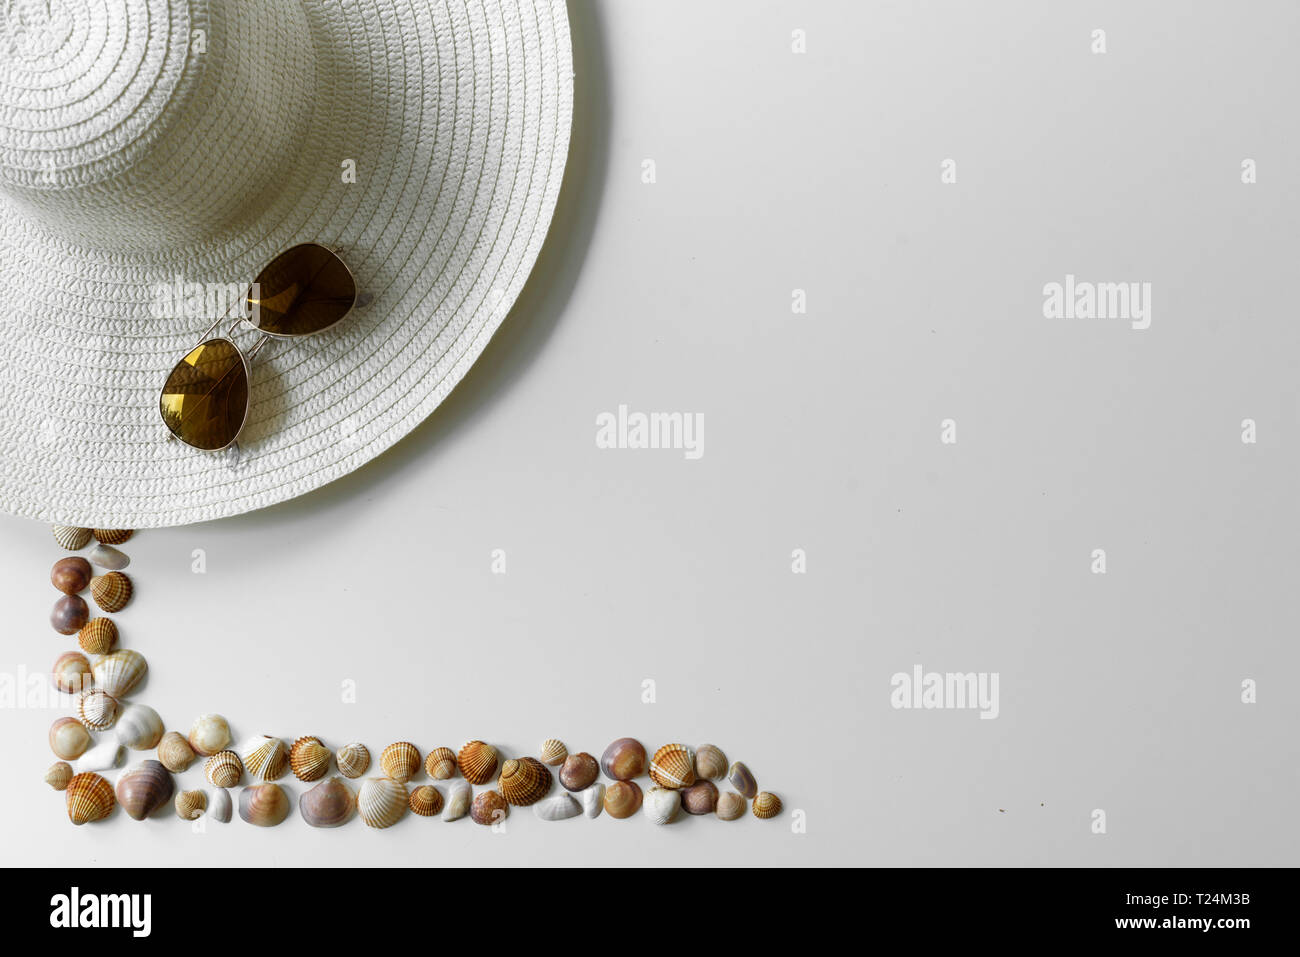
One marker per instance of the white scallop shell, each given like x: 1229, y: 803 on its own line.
x: 560, y: 807
x: 593, y: 800
x: 382, y: 802
x: 220, y: 806
x: 662, y: 804
x: 119, y: 671
x: 103, y: 756
x: 459, y: 795
x: 139, y: 727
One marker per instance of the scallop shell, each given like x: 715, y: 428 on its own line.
x: 71, y: 575
x: 111, y: 536
x: 263, y: 805
x: 579, y: 772
x: 111, y: 591
x: 97, y: 636
x: 710, y: 762
x: 552, y: 752
x: 700, y: 798
x: 219, y: 805
x: 489, y: 808
x: 175, y: 752
x: 477, y: 761
x: 106, y: 556
x: 69, y: 738
x: 662, y: 804
x: 265, y: 758
x: 426, y: 800
x: 673, y: 766
x: 441, y: 764
x: 71, y: 537
x: 89, y: 797
x: 593, y: 800
x: 766, y: 805
x: 329, y: 804
x: 353, y: 760
x: 400, y: 761
x: 382, y: 802
x: 190, y: 804
x: 144, y: 788
x: 69, y: 614
x: 622, y: 799
x: 309, y: 760
x: 59, y: 774
x: 209, y: 734
x: 224, y: 769
x: 458, y: 798
x: 139, y: 727
x: 524, y: 782
x: 96, y: 709
x: 730, y: 806
x: 71, y: 672
x: 103, y: 756
x: 558, y: 808
x: 117, y: 674
x: 624, y: 759
x: 740, y: 779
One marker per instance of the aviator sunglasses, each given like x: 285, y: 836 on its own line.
x: 304, y: 290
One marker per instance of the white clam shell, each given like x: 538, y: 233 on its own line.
x: 209, y: 734
x: 593, y: 800
x: 382, y: 802
x: 104, y: 755
x: 220, y: 806
x: 119, y: 671
x: 459, y: 796
x: 662, y: 804
x: 106, y: 556
x: 560, y: 807
x: 139, y: 727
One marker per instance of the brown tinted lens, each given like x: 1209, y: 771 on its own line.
x: 304, y: 290
x: 205, y: 399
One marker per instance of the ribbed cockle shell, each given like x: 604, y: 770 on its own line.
x: 175, y: 752
x: 118, y: 673
x: 97, y: 636
x: 673, y: 766
x: 524, y: 782
x: 766, y: 805
x: 71, y: 537
x: 552, y: 752
x: 426, y: 800
x: 89, y: 798
x: 190, y: 804
x: 96, y: 709
x: 224, y: 769
x: 309, y: 759
x: 400, y: 761
x: 382, y: 802
x: 265, y: 758
x: 353, y: 760
x: 112, y: 536
x: 477, y: 761
x: 111, y: 591
x: 441, y: 764
x: 58, y: 776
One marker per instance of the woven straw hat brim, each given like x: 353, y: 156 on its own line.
x: 457, y: 115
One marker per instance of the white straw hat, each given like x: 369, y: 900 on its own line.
x: 150, y: 147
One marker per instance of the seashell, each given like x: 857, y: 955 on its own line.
x: 190, y: 804
x: 353, y: 760
x: 552, y: 751
x: 740, y: 779
x: 111, y: 592
x: 426, y: 800
x: 69, y: 614
x: 766, y: 805
x: 477, y: 761
x: 175, y: 752
x: 111, y: 536
x: 97, y: 636
x: 579, y: 772
x: 224, y: 769
x: 328, y: 804
x: 71, y: 672
x: 89, y: 797
x: 71, y: 575
x: 673, y: 766
x: 106, y: 556
x: 593, y: 799
x: 209, y: 734
x: 139, y: 727
x: 263, y: 805
x: 623, y: 760
x: 309, y: 760
x: 117, y: 674
x: 458, y: 799
x: 69, y: 738
x: 59, y: 774
x: 622, y: 799
x: 700, y: 798
x: 524, y: 782
x: 730, y: 806
x: 219, y: 805
x: 71, y: 537
x: 144, y: 788
x: 662, y: 804
x: 382, y: 802
x: 400, y: 761
x: 441, y: 764
x: 265, y: 758
x: 558, y: 808
x: 489, y: 807
x: 710, y: 762
x: 96, y: 709
x: 104, y: 756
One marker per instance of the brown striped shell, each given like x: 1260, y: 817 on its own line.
x: 766, y: 805
x: 58, y: 776
x: 224, y: 769
x: 190, y: 804
x: 553, y: 752
x: 400, y: 761
x: 426, y: 800
x: 353, y: 760
x: 175, y: 752
x: 97, y: 636
x: 477, y: 761
x: 96, y: 709
x: 89, y: 798
x: 71, y: 672
x: 144, y: 788
x: 441, y: 764
x: 111, y: 591
x: 71, y: 537
x: 265, y: 758
x: 673, y: 766
x: 524, y: 782
x: 309, y: 759
x: 112, y: 536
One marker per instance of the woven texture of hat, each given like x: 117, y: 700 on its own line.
x: 150, y: 145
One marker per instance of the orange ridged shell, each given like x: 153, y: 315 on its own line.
x: 673, y: 766
x: 766, y: 805
x: 400, y: 761
x: 111, y: 591
x: 441, y: 764
x: 524, y: 782
x: 477, y: 761
x: 97, y: 636
x: 90, y: 798
x: 309, y: 759
x: 426, y: 800
x: 224, y: 769
x: 112, y: 536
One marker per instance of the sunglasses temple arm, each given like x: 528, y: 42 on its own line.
x: 257, y: 347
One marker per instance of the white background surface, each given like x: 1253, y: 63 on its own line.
x: 821, y: 172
